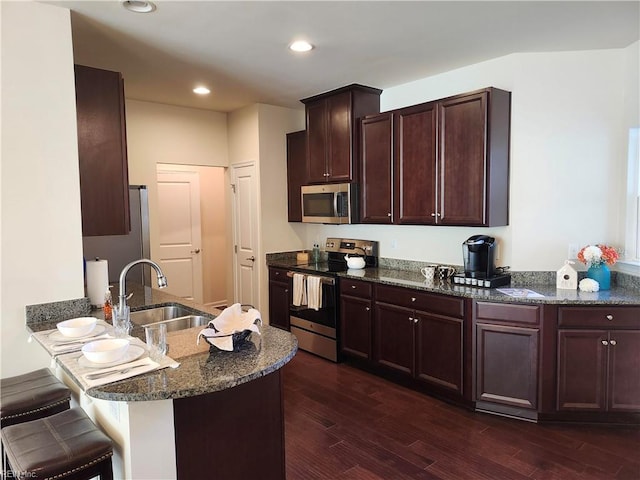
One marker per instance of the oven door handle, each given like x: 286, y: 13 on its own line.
x: 325, y: 280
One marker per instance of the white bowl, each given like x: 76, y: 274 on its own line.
x: 105, y: 351
x: 77, y: 327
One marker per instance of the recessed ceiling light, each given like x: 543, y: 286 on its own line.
x: 300, y: 46
x: 139, y: 6
x: 201, y: 90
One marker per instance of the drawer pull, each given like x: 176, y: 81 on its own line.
x: 605, y: 343
x: 413, y: 299
x: 367, y: 308
x: 613, y: 342
x: 609, y: 317
x: 354, y: 287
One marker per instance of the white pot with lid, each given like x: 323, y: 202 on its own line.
x: 354, y: 262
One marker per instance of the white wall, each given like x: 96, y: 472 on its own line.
x: 164, y: 134
x: 277, y: 233
x: 568, y: 157
x: 41, y: 227
x: 257, y: 134
x: 275, y: 123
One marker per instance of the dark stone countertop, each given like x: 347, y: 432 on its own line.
x: 617, y: 295
x: 200, y: 371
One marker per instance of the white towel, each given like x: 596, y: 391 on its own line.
x: 299, y: 290
x: 232, y: 320
x: 314, y: 292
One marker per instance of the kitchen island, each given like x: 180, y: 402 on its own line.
x: 218, y: 415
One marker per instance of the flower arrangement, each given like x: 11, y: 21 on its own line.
x: 595, y: 255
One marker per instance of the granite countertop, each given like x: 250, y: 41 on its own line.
x: 540, y: 282
x: 200, y: 372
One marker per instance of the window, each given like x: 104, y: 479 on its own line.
x: 632, y: 240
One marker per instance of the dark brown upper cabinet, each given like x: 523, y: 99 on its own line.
x: 444, y: 162
x: 102, y: 152
x: 331, y: 131
x: 296, y: 172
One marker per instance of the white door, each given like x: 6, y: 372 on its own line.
x: 245, y: 207
x: 180, y: 237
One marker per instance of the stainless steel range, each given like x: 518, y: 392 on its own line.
x: 317, y: 330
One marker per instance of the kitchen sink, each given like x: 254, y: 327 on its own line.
x: 183, y: 323
x: 176, y: 317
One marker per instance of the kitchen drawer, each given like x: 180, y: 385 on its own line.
x: 507, y: 312
x: 427, y: 302
x: 278, y: 275
x: 605, y: 317
x: 355, y: 288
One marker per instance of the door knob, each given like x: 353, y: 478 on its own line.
x: 197, y: 250
x: 252, y: 258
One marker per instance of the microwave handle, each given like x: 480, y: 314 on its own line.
x: 336, y: 214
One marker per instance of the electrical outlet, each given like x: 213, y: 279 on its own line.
x: 394, y: 244
x: 572, y: 253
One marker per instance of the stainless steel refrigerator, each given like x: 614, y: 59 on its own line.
x: 119, y: 250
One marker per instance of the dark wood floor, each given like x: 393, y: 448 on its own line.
x: 342, y: 423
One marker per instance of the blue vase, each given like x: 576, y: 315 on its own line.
x: 601, y: 274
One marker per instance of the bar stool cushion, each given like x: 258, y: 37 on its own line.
x: 57, y: 446
x: 30, y: 396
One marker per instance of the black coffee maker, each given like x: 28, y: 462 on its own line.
x: 479, y: 254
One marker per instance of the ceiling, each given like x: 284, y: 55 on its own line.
x: 239, y: 49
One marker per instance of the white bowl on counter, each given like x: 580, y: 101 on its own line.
x: 106, y: 351
x: 77, y: 327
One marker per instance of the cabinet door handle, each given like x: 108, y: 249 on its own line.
x: 354, y: 287
x: 415, y: 320
x: 413, y: 299
x: 613, y: 342
x: 433, y: 214
x: 367, y: 308
x: 286, y: 290
x: 410, y: 319
x: 389, y: 214
x: 605, y: 343
x: 609, y: 317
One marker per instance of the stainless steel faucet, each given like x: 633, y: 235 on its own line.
x: 122, y: 297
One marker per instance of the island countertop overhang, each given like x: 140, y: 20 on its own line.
x: 200, y: 372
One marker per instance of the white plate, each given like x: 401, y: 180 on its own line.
x: 58, y: 337
x: 133, y: 353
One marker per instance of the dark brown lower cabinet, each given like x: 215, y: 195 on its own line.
x: 439, y: 357
x: 394, y: 339
x: 507, y: 365
x: 279, y: 298
x: 424, y: 346
x: 355, y: 326
x: 598, y: 370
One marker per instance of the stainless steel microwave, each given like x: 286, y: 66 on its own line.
x: 329, y: 203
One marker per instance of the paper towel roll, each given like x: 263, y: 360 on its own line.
x: 97, y: 281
